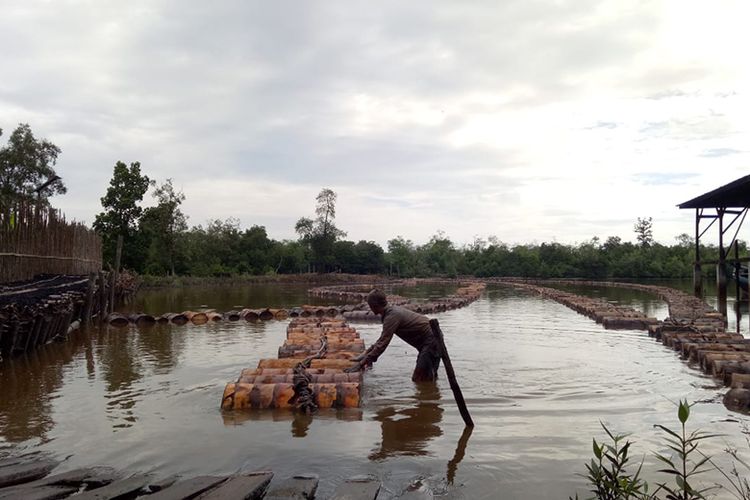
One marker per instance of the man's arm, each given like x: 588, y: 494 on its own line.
x: 375, y: 350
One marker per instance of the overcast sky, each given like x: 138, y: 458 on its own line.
x: 528, y: 120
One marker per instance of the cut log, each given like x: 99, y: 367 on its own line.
x: 240, y: 396
x: 737, y: 400
x: 301, y: 487
x: 316, y: 363
x: 740, y: 381
x: 187, y: 489
x: 25, y: 472
x: 126, y: 488
x: 245, y: 487
x: 358, y: 488
x: 118, y: 320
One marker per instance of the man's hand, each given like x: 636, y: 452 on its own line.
x: 358, y: 366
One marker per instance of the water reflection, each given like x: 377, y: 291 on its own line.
x: 459, y: 454
x: 29, y: 384
x: 300, y: 423
x: 162, y: 345
x: 121, y: 368
x: 407, y: 431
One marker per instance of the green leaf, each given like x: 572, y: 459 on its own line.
x: 597, y: 450
x: 684, y: 411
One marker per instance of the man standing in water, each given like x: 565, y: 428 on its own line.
x: 412, y: 328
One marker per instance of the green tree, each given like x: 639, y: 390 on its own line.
x: 164, y: 224
x: 644, y: 231
x: 320, y: 234
x: 441, y: 256
x: 402, y: 257
x: 26, y: 165
x: 122, y: 212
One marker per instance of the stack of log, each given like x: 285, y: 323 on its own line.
x: 33, y: 313
x: 270, y: 384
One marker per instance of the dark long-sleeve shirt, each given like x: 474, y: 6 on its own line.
x: 413, y: 328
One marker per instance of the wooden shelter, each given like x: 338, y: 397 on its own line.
x: 722, y: 204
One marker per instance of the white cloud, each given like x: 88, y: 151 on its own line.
x: 529, y: 120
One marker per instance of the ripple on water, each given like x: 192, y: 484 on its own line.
x: 538, y: 379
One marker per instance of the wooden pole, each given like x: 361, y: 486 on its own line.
x: 737, y: 283
x: 451, y: 374
x: 721, y: 271
x: 89, y: 303
x: 102, y: 297
x: 115, y: 271
x: 697, y: 274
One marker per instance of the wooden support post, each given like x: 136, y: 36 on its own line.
x: 33, y: 332
x: 737, y: 284
x: 89, y: 303
x: 721, y: 270
x: 118, y: 256
x: 451, y: 374
x: 102, y: 297
x: 697, y: 274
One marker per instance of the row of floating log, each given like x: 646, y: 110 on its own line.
x: 465, y: 295
x: 203, y: 317
x: 270, y: 384
x: 468, y: 292
x: 611, y: 316
x: 694, y: 329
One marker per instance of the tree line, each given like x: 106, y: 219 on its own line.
x: 157, y: 240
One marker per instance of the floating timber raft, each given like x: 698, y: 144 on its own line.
x: 694, y: 329
x: 272, y: 383
x: 32, y: 478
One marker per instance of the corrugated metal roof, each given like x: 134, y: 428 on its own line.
x: 736, y: 194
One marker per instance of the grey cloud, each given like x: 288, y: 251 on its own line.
x: 719, y: 152
x: 659, y: 179
x: 601, y: 124
x: 259, y: 90
x: 666, y: 94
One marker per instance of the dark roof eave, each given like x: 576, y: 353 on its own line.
x: 736, y: 194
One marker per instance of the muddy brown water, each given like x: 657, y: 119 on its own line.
x: 538, y: 379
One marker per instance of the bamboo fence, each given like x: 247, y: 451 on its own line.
x: 38, y: 240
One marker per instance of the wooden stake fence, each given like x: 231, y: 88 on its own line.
x: 38, y: 240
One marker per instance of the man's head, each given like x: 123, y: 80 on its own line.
x: 377, y: 301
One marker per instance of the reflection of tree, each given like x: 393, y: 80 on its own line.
x: 407, y: 431
x: 162, y: 346
x: 29, y: 383
x: 120, y: 369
